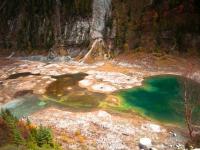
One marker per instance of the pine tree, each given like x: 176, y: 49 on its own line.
x: 44, y: 136
x: 11, y: 121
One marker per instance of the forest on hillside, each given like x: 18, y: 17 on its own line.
x: 150, y: 25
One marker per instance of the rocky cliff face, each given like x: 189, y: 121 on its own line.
x: 76, y: 24
x: 77, y: 32
x: 54, y: 23
x: 82, y: 30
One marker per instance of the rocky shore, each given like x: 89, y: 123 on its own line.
x: 101, y: 130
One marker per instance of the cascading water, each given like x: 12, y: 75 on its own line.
x: 101, y: 12
x: 100, y: 15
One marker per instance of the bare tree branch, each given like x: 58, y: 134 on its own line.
x: 191, y: 101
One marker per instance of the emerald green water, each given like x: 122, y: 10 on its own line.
x: 159, y: 98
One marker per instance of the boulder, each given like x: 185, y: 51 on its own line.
x: 152, y: 127
x: 145, y: 143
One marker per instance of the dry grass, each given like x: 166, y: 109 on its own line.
x: 159, y: 59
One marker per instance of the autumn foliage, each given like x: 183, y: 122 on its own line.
x: 24, y: 134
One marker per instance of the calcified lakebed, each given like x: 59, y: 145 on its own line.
x: 111, y: 105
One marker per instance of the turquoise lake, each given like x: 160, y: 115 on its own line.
x: 159, y: 98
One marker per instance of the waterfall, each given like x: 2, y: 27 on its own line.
x: 101, y: 12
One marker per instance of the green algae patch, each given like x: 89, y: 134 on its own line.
x: 67, y: 92
x: 42, y: 103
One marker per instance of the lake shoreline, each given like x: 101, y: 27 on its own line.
x: 99, y: 79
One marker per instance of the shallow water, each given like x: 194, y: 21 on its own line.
x: 63, y: 93
x: 26, y: 105
x: 159, y: 98
x: 23, y: 74
x: 66, y: 91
